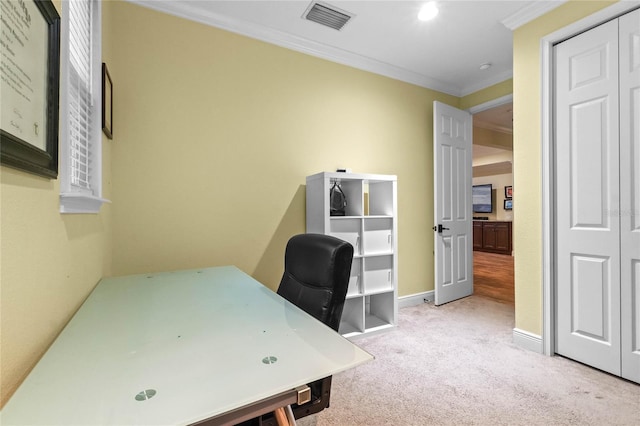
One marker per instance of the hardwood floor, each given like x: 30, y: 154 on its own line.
x: 493, y: 276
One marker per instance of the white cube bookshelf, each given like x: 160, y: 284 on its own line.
x: 370, y: 224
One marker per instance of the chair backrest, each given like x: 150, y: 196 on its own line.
x: 316, y: 275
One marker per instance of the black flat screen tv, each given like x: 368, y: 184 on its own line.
x: 481, y: 195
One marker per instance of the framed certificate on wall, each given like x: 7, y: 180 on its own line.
x: 30, y: 86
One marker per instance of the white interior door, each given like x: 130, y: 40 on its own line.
x: 453, y: 244
x: 587, y: 198
x: 630, y: 192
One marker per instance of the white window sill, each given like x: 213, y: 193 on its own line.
x: 71, y: 202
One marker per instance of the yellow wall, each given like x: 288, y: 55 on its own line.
x: 49, y: 264
x: 487, y: 94
x: 527, y: 154
x: 216, y: 133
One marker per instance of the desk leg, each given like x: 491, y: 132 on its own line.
x: 284, y: 416
x: 290, y: 416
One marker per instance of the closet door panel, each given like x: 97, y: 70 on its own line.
x: 587, y: 174
x: 629, y: 27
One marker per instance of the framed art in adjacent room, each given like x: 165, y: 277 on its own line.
x: 508, y: 192
x: 508, y: 204
x: 30, y: 87
x: 107, y: 102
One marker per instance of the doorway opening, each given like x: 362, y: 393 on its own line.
x: 492, y: 164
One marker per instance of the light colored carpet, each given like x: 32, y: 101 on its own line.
x: 456, y: 365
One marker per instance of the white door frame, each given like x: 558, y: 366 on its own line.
x: 548, y: 178
x: 491, y: 104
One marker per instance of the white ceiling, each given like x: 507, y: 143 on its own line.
x: 384, y: 37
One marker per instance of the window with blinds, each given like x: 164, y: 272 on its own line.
x: 81, y: 99
x: 80, y: 104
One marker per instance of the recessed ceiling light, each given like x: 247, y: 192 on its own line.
x: 428, y: 11
x: 485, y: 66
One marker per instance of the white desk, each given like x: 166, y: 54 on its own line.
x: 197, y: 338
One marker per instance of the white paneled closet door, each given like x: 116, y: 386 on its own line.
x: 597, y: 196
x: 588, y: 235
x: 630, y: 192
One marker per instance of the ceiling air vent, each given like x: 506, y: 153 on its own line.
x: 326, y: 15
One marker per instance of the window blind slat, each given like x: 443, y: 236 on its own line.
x: 80, y: 38
x: 80, y: 91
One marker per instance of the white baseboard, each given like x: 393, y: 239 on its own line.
x: 415, y: 299
x: 527, y: 340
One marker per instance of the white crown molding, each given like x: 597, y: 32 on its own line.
x: 530, y: 12
x: 303, y: 45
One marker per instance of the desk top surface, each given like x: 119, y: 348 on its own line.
x: 176, y: 348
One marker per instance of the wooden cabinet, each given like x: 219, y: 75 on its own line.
x: 477, y: 235
x: 370, y: 225
x: 492, y: 236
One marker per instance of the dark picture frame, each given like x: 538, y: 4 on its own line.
x: 508, y: 204
x: 16, y: 152
x: 107, y: 102
x: 508, y: 192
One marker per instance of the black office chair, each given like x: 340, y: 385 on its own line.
x: 316, y: 277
